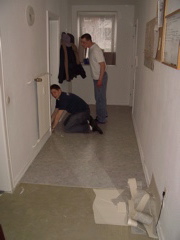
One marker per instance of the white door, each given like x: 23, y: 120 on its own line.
x: 5, y: 169
x: 44, y: 81
x: 43, y: 97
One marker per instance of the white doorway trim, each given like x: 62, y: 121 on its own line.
x: 6, y: 183
x: 53, y: 48
x: 135, y: 61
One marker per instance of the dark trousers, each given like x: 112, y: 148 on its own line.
x: 77, y: 122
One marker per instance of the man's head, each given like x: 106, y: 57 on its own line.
x: 55, y: 91
x: 86, y: 40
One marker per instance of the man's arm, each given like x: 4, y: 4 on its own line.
x: 54, y: 115
x: 58, y: 113
x: 102, y: 71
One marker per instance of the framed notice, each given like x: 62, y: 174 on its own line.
x: 171, y: 54
x: 162, y: 5
x: 149, y: 44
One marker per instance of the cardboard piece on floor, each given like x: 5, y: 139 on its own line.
x: 105, y: 211
x: 150, y: 230
x: 143, y: 202
x: 155, y: 200
x: 132, y: 210
x: 107, y: 194
x: 143, y: 218
x: 133, y: 187
x: 122, y: 207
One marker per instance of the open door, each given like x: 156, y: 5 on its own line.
x: 43, y: 96
x: 5, y: 166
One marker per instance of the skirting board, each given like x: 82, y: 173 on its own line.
x: 159, y: 230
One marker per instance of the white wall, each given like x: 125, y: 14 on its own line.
x: 24, y: 54
x: 156, y: 118
x: 120, y: 76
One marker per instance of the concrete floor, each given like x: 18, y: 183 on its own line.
x: 61, y: 209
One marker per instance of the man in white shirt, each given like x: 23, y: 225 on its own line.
x: 99, y: 75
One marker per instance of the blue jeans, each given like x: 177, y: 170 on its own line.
x: 100, y: 97
x: 77, y: 123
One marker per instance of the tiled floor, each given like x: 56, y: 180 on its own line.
x: 90, y: 160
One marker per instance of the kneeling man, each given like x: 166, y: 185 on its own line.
x: 79, y: 119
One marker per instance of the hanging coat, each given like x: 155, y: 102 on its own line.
x: 70, y: 66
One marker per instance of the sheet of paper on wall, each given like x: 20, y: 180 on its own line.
x: 149, y: 44
x: 161, y: 9
x: 156, y: 42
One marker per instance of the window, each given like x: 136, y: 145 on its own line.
x: 102, y: 27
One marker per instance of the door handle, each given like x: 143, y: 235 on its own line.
x: 38, y: 79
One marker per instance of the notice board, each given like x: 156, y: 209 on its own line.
x: 172, y: 40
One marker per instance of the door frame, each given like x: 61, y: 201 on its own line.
x: 53, y: 47
x: 135, y: 57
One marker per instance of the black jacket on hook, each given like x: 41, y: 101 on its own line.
x: 70, y: 66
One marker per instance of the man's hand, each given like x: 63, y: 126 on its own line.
x: 99, y: 83
x: 56, y: 119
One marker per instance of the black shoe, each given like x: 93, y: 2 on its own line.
x: 99, y: 121
x: 94, y: 125
x: 97, y: 129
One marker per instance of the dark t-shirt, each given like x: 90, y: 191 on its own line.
x: 71, y: 103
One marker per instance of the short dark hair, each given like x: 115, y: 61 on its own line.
x: 87, y: 36
x: 55, y: 86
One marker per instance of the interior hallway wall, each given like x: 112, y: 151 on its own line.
x: 120, y: 75
x: 156, y: 118
x: 24, y: 55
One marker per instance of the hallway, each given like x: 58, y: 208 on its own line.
x: 84, y: 162
x: 55, y: 197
